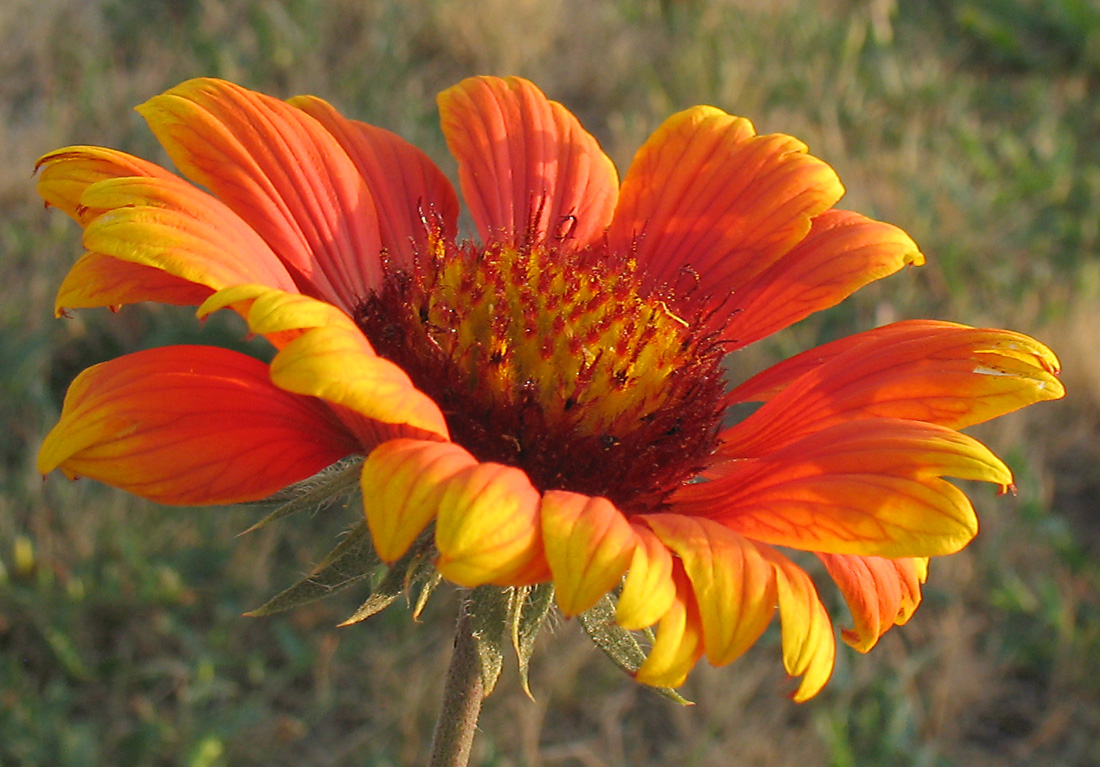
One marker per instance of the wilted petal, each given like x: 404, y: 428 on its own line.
x: 191, y: 425
x: 411, y: 194
x: 870, y: 487
x: 589, y: 545
x: 707, y: 200
x: 881, y: 593
x: 284, y: 174
x: 525, y: 163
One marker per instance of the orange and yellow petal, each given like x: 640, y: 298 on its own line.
x: 733, y: 585
x: 842, y: 252
x: 170, y: 225
x: 487, y: 528
x: 528, y: 170
x: 65, y: 174
x: 412, y: 196
x: 283, y: 173
x: 97, y: 280
x: 679, y: 642
x: 191, y: 425
x: 589, y: 544
x: 322, y: 353
x: 809, y: 647
x: 880, y: 593
x: 870, y: 487
x: 648, y: 589
x: 707, y: 199
x: 401, y: 482
x: 951, y: 375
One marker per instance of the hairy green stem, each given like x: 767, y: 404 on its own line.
x: 462, y: 696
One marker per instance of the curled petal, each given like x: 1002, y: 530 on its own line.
x: 870, y: 487
x: 809, y: 647
x: 65, y: 174
x: 881, y: 593
x: 589, y: 545
x: 487, y: 529
x: 283, y: 173
x: 733, y: 585
x: 648, y: 590
x: 950, y: 375
x: 325, y: 355
x: 526, y: 165
x: 679, y: 643
x: 842, y: 252
x: 412, y: 196
x: 191, y: 425
x: 706, y: 199
x: 401, y: 481
x: 170, y: 225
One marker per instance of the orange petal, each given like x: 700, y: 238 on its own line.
x: 705, y: 199
x: 679, y: 643
x: 528, y: 170
x: 733, y: 585
x: 648, y: 590
x: 170, y: 225
x: 949, y: 375
x: 843, y: 252
x: 283, y: 173
x: 191, y: 425
x: 412, y: 196
x: 809, y: 647
x: 870, y: 487
x: 97, y: 280
x: 589, y: 545
x: 487, y: 529
x: 63, y: 176
x: 325, y: 355
x: 401, y: 483
x: 881, y: 593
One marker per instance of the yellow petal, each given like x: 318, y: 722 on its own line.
x: 648, y: 591
x: 733, y: 585
x: 809, y: 647
x: 589, y: 545
x: 679, y: 642
x: 488, y: 530
x: 401, y: 482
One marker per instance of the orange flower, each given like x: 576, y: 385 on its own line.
x: 553, y: 397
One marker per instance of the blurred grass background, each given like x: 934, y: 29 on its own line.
x: 974, y: 124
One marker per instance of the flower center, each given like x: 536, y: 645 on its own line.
x: 556, y: 362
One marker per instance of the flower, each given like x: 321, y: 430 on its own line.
x: 551, y: 397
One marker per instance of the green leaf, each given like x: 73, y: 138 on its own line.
x: 488, y: 608
x: 322, y: 489
x: 415, y: 567
x: 528, y: 610
x: 619, y: 644
x: 350, y: 562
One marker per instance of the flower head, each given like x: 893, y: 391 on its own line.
x: 552, y: 395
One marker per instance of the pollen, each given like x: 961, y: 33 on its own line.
x: 557, y: 362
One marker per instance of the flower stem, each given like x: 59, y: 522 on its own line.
x: 462, y: 696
